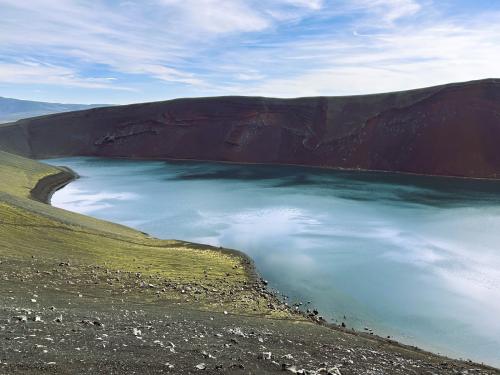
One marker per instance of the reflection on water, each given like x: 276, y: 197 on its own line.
x: 416, y: 258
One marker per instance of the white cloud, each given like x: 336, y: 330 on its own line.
x: 216, y: 16
x: 29, y: 72
x: 168, y: 74
x: 133, y: 38
x: 311, y: 4
x: 395, y: 58
x: 389, y: 10
x: 250, y: 47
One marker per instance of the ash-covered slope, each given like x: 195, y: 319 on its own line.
x: 445, y: 130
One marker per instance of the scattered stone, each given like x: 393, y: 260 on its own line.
x: 289, y: 368
x: 201, y: 366
x: 334, y: 371
x: 207, y: 355
x: 265, y: 356
x: 237, y: 332
x: 171, y: 347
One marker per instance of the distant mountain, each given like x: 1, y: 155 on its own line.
x: 15, y: 109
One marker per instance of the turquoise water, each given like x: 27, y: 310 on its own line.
x: 416, y: 258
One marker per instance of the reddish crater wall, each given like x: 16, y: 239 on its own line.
x: 448, y: 130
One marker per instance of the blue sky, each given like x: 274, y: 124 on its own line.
x: 111, y: 51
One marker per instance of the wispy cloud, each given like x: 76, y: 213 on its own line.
x: 29, y: 72
x: 409, y: 57
x: 388, y: 11
x: 169, y: 48
x: 215, y: 16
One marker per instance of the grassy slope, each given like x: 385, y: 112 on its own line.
x: 32, y: 229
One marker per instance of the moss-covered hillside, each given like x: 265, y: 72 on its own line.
x: 111, y: 257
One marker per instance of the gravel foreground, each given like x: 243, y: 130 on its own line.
x: 50, y: 331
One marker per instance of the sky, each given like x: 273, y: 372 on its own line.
x: 117, y: 52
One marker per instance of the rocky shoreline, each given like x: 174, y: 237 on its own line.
x: 54, y: 330
x: 78, y: 318
x: 48, y: 185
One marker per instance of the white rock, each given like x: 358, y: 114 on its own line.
x: 266, y: 356
x: 136, y: 332
x: 291, y: 369
x: 334, y: 371
x: 201, y: 366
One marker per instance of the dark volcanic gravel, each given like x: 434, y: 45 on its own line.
x: 50, y: 331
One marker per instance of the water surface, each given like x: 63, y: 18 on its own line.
x: 416, y: 258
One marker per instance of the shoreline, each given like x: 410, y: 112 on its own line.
x: 48, y: 185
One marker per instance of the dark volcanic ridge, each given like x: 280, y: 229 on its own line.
x: 448, y: 130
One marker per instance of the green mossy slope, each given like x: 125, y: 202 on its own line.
x: 202, y: 276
